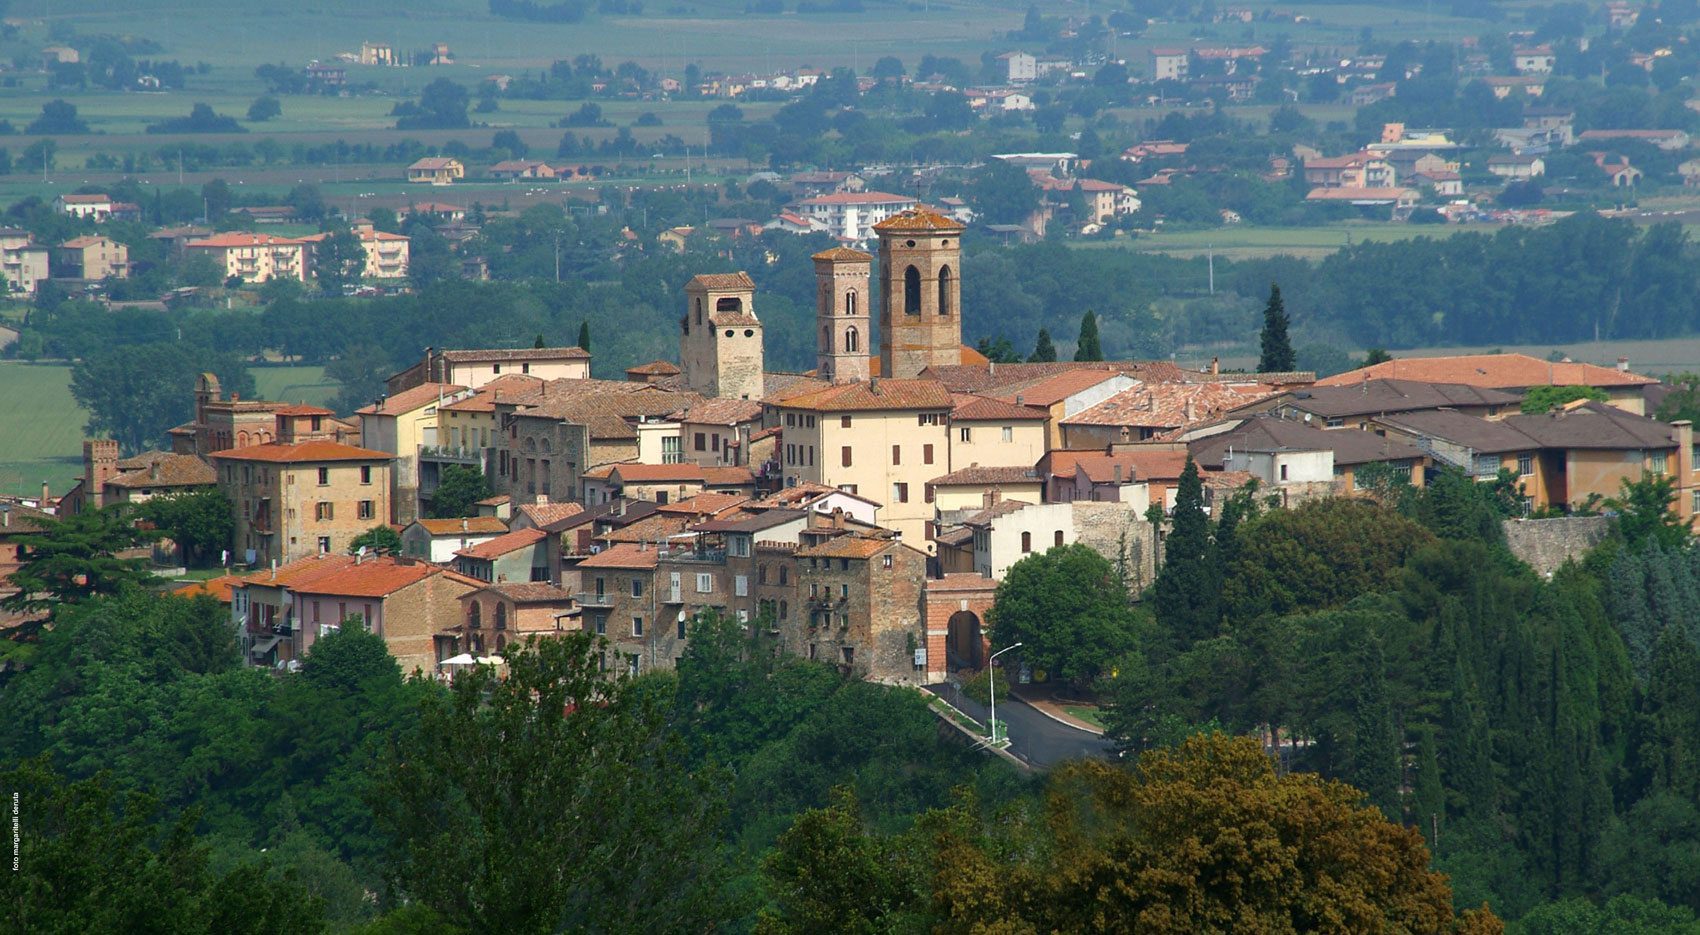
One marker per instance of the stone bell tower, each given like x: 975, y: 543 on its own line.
x: 920, y: 292
x: 720, y: 338
x: 842, y: 316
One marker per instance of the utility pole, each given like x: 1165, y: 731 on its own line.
x: 1210, y: 254
x: 557, y: 256
x: 992, y: 682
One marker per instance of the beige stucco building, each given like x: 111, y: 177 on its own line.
x: 401, y: 425
x: 720, y: 337
x: 92, y: 257
x: 296, y: 498
x: 254, y: 258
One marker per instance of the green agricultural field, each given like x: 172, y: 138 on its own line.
x: 1245, y: 242
x: 41, y: 426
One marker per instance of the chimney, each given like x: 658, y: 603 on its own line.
x: 45, y: 496
x: 1215, y: 366
x: 153, y: 471
x: 1118, y: 475
x: 542, y: 499
x: 1623, y: 365
x: 1020, y: 400
x: 1191, y: 412
x: 874, y: 385
x: 992, y: 367
x: 463, y: 527
x: 5, y: 515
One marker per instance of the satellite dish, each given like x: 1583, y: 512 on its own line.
x: 362, y: 552
x: 681, y: 616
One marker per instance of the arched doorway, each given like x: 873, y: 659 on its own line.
x: 965, y: 647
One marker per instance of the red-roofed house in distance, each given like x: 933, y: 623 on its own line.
x: 91, y: 257
x: 437, y: 540
x: 406, y: 602
x: 386, y: 253
x: 850, y: 216
x: 520, y: 555
x: 497, y: 615
x: 1510, y: 372
x: 253, y: 258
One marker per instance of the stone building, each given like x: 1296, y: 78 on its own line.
x: 863, y: 612
x: 920, y: 256
x: 842, y: 315
x: 617, y: 594
x: 297, y: 497
x: 720, y: 338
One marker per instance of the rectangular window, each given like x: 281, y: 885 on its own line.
x: 1009, y: 433
x: 324, y: 477
x: 324, y: 510
x: 900, y: 493
x: 701, y: 442
x: 601, y: 624
x: 885, y: 561
x: 1525, y: 465
x: 1283, y: 472
x: 926, y: 454
x: 791, y: 420
x: 967, y: 434
x: 637, y: 587
x: 682, y: 628
x: 843, y: 422
x: 714, y: 443
x: 896, y: 454
x: 365, y: 509
x: 844, y: 456
x: 365, y: 474
x: 1335, y: 423
x: 324, y: 545
x: 741, y: 586
x: 844, y: 591
x: 1656, y: 461
x: 705, y: 583
x: 637, y: 626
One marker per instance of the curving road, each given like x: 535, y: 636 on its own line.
x: 1033, y: 737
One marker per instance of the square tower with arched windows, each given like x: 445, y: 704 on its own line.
x: 720, y: 339
x: 842, y: 277
x: 920, y: 292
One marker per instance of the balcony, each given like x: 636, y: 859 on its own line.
x: 451, y: 454
x: 704, y: 556
x: 594, y: 599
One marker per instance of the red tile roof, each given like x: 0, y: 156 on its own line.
x: 987, y: 409
x: 857, y: 198
x: 657, y: 473
x: 305, y: 452
x: 722, y: 281
x: 1496, y: 371
x: 466, y: 525
x: 378, y: 577
x: 410, y: 399
x: 859, y: 547
x: 918, y: 219
x: 622, y: 556
x: 504, y: 544
x: 239, y: 239
x: 300, y: 572
x: 1053, y: 389
x: 975, y: 475
x: 874, y: 396
x: 842, y: 255
x: 658, y: 368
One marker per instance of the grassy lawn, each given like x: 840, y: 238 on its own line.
x: 1246, y: 242
x: 41, y: 428
x: 1089, y: 714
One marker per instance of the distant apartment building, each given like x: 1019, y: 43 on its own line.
x: 851, y: 215
x: 91, y: 257
x: 254, y: 258
x: 84, y: 206
x: 23, y: 263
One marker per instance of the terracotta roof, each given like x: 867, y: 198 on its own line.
x: 804, y: 493
x: 305, y: 452
x: 986, y: 379
x: 87, y: 240
x: 1001, y: 508
x: 728, y: 476
x: 1138, y: 463
x: 918, y: 219
x: 707, y: 503
x: 842, y: 255
x: 505, y: 543
x: 857, y: 198
x: 657, y: 473
x: 1167, y: 405
x: 1344, y: 193
x: 975, y: 475
x: 163, y: 469
x: 528, y: 592
x: 719, y: 411
x: 301, y: 572
x: 860, y: 547
x: 959, y: 582
x: 433, y: 162
x: 85, y: 199
x: 377, y: 577
x: 777, y: 387
x: 624, y: 555
x: 505, y: 387
x: 874, y: 396
x: 753, y: 522
x: 239, y: 239
x: 468, y: 525
x: 1497, y: 371
x: 410, y: 399
x: 659, y: 368
x: 1594, y: 425
x: 1054, y: 388
x: 542, y: 514
x: 654, y: 527
x: 987, y: 409
x: 218, y: 588
x: 302, y: 409
x: 497, y: 500
x: 518, y: 353
x: 22, y: 518
x: 720, y: 282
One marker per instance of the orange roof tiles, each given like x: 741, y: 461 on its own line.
x: 1054, y: 388
x: 302, y: 409
x: 1495, y: 371
x: 721, y: 281
x: 219, y: 588
x: 376, y: 577
x: 300, y: 572
x: 728, y: 476
x: 986, y: 409
x: 505, y: 543
x: 1168, y: 405
x: 704, y: 504
x: 305, y: 452
x: 874, y: 396
x: 918, y: 219
x: 542, y: 514
x: 466, y: 525
x: 622, y: 556
x: 659, y: 368
x: 239, y: 239
x: 859, y: 547
x: 842, y: 255
x: 410, y: 399
x: 657, y: 473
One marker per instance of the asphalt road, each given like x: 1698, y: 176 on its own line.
x: 1032, y: 736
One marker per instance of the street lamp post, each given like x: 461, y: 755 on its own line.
x: 992, y: 682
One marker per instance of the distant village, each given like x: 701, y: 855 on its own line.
x: 863, y: 511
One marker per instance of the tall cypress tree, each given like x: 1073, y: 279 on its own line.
x: 584, y: 335
x: 1088, y: 348
x: 1044, y: 351
x: 1188, y: 589
x: 1277, y: 356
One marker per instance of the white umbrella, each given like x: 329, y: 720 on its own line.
x: 464, y: 659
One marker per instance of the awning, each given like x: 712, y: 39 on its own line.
x: 264, y: 646
x: 464, y: 659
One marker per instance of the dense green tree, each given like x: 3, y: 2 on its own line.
x: 1001, y: 192
x: 828, y: 872
x: 1187, y: 594
x: 1088, y: 347
x: 488, y: 805
x: 1645, y: 515
x: 584, y: 335
x: 1043, y: 350
x: 382, y: 539
x: 58, y: 118
x: 339, y: 260
x: 459, y: 491
x: 265, y: 107
x: 76, y: 559
x: 202, y: 520
x: 135, y: 393
x: 998, y: 350
x: 442, y: 105
x: 1275, y: 350
x: 1539, y: 399
x: 1065, y: 607
x: 1321, y: 555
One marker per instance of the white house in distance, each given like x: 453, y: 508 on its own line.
x: 851, y: 215
x: 1021, y: 66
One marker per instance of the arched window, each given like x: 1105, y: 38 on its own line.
x: 529, y: 445
x: 912, y: 291
x: 544, y: 446
x: 241, y: 439
x: 826, y: 339
x: 1026, y: 543
x: 501, y: 642
x: 944, y: 291
x: 852, y: 341
x: 473, y: 614
x: 729, y: 304
x: 850, y: 303
x: 501, y: 616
